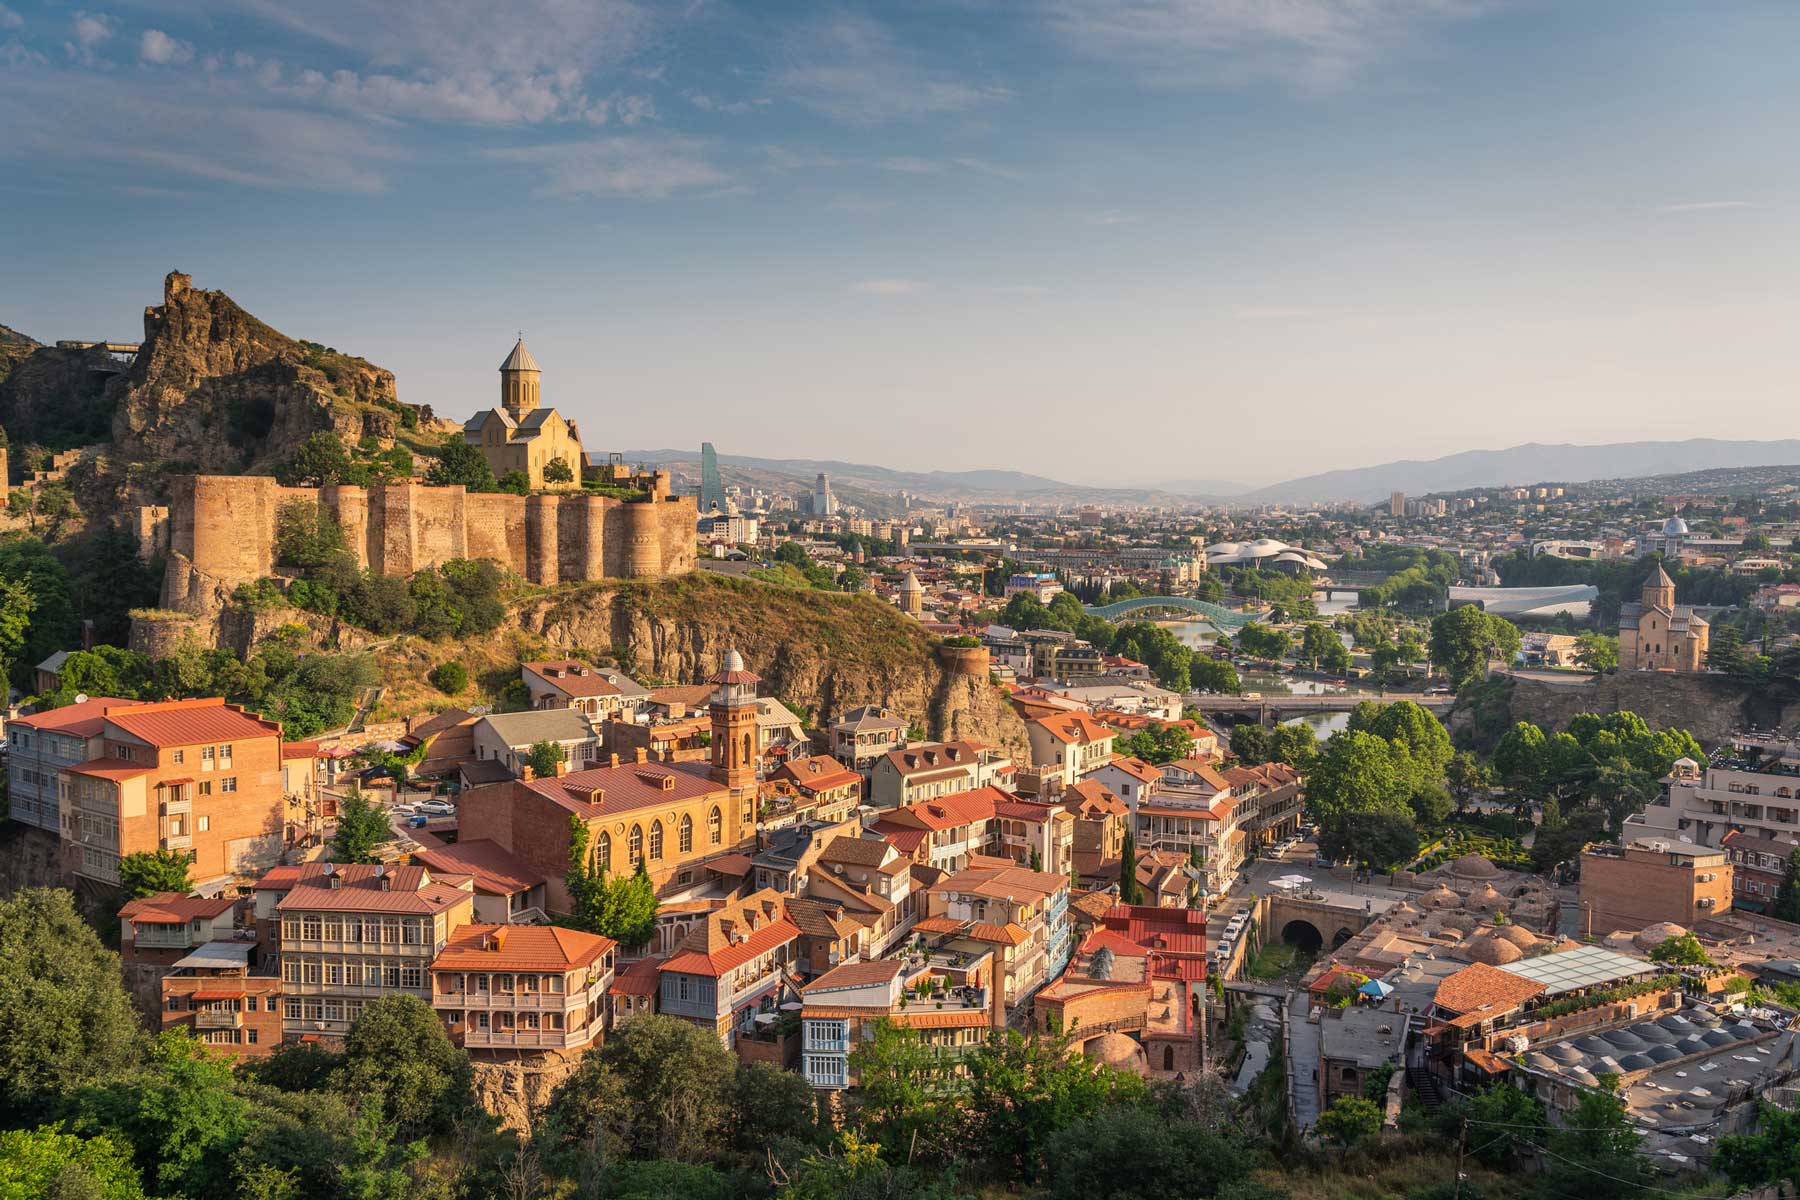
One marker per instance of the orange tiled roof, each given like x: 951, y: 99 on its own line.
x: 948, y: 812
x: 571, y: 677
x: 855, y: 974
x: 1137, y: 768
x: 1074, y: 728
x: 80, y: 720
x: 188, y: 722
x: 820, y: 773
x: 1479, y: 989
x: 110, y: 768
x: 494, y: 867
x: 173, y: 908
x: 520, y: 948
x: 1008, y: 934
x: 605, y: 791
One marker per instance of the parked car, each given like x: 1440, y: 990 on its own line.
x: 436, y: 808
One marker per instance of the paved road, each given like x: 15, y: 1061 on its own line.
x: 1303, y: 1058
x: 1336, y: 884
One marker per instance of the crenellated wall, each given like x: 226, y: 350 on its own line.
x: 221, y: 532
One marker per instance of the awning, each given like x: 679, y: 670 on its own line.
x: 216, y: 996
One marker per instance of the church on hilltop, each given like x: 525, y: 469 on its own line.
x: 1660, y: 635
x: 522, y: 436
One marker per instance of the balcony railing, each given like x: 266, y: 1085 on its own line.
x: 218, y: 1018
x: 178, y: 841
x: 177, y: 805
x: 537, y: 1001
x: 508, y: 1039
x: 178, y: 939
x: 303, y: 945
x: 350, y: 989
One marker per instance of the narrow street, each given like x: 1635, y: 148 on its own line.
x: 1303, y: 1060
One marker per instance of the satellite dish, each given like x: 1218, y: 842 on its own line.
x: 81, y: 697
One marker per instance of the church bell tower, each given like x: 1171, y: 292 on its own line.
x: 519, y: 377
x: 734, y: 732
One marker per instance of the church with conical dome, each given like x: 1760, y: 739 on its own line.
x: 521, y: 435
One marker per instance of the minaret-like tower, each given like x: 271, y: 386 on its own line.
x: 519, y: 376
x: 1659, y: 590
x: 734, y: 727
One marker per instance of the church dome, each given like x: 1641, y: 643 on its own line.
x: 1119, y: 1052
x: 520, y: 359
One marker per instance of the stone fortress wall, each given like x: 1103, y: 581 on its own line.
x: 220, y: 532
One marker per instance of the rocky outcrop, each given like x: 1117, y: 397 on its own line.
x: 215, y: 388
x: 819, y: 652
x: 518, y: 1090
x: 53, y: 396
x: 1711, y: 707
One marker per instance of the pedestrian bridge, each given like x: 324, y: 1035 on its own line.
x: 1270, y: 710
x: 1216, y: 615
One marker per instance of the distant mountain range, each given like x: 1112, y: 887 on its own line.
x: 1534, y: 462
x: 1517, y: 466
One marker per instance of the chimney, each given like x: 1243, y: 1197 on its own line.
x: 643, y: 755
x: 562, y: 768
x: 615, y: 758
x: 526, y: 773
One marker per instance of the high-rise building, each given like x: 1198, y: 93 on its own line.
x: 824, y: 504
x: 1397, y: 504
x: 712, y: 490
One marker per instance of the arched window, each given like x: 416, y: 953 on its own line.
x: 685, y: 838
x: 745, y: 761
x: 636, y: 844
x: 602, y: 858
x: 714, y: 826
x: 1168, y: 1058
x: 655, y: 841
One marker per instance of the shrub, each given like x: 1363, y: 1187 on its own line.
x: 450, y: 678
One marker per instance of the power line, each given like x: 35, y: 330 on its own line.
x: 1648, y: 1187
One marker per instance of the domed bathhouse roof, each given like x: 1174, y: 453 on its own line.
x: 1473, y: 866
x: 1494, y: 951
x: 1118, y: 1051
x: 1518, y: 935
x: 1441, y: 897
x: 1652, y: 936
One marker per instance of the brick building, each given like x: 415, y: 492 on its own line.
x: 1759, y: 866
x: 523, y: 987
x: 155, y: 932
x: 200, y: 777
x: 1649, y: 882
x: 732, y: 966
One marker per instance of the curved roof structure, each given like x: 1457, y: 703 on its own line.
x: 1574, y: 599
x: 520, y: 359
x: 1262, y: 550
x: 1675, y: 527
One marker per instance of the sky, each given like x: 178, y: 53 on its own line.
x: 1110, y: 241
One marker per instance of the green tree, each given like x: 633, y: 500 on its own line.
x: 1349, y: 1120
x: 321, y: 460
x: 1378, y: 840
x: 1317, y: 642
x: 459, y: 463
x: 1250, y: 743
x: 16, y: 606
x: 1595, y: 1153
x: 399, y: 1052
x: 1725, y: 649
x: 1294, y: 744
x: 558, y: 471
x: 54, y: 624
x: 1466, y: 639
x: 1259, y: 641
x: 1158, y: 744
x: 1215, y: 675
x: 1787, y: 896
x: 1130, y: 890
x: 1597, y: 651
x: 450, y: 678
x: 46, y: 1162
x: 900, y: 1093
x: 1509, y: 1121
x: 1025, y: 611
x: 1021, y: 1090
x: 1359, y: 773
x: 1130, y: 1153
x: 148, y: 872
x: 660, y: 1087
x: 621, y: 909
x: 1521, y: 760
x: 360, y: 828
x: 1467, y: 777
x: 544, y: 757
x: 1768, y: 1154
x: 1622, y: 790
x: 65, y: 1020
x: 1685, y: 951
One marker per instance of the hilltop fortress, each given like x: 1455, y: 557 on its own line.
x: 219, y: 531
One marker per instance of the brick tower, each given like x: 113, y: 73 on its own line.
x: 519, y: 379
x: 734, y: 727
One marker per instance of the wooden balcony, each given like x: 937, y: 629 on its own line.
x: 218, y: 1018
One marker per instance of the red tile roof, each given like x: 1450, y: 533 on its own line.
x: 919, y: 760
x: 854, y: 975
x: 820, y: 773
x: 638, y: 979
x: 520, y: 948
x: 79, y: 720
x: 605, y: 791
x: 190, y: 722
x: 409, y: 890
x: 495, y: 869
x: 1074, y: 728
x: 744, y: 930
x: 1008, y: 934
x: 1484, y: 991
x: 173, y: 908
x: 1137, y: 768
x: 949, y: 812
x: 571, y: 677
x: 299, y: 750
x: 110, y: 768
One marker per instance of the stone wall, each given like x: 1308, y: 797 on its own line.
x: 220, y: 532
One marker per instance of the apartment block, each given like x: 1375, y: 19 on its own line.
x: 523, y: 987
x: 1651, y: 882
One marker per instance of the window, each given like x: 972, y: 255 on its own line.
x: 290, y: 970
x: 334, y: 929
x: 202, y: 823
x: 225, y: 756
x: 334, y: 972
x: 412, y: 977
x: 309, y: 971
x: 293, y: 1010
x: 390, y: 975
x: 228, y: 785
x: 414, y: 932
x: 250, y: 1036
x: 310, y: 927
x: 656, y: 841
x: 635, y: 846
x: 178, y: 757
x: 713, y: 826
x: 204, y: 787
x: 206, y: 758
x: 602, y: 853
x: 174, y: 1003
x: 684, y: 840
x: 390, y: 931
x: 269, y: 1003
x: 334, y: 1010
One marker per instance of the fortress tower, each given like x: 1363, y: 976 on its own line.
x: 519, y: 377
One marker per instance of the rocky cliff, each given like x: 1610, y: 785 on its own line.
x: 216, y: 388
x: 1710, y: 707
x: 820, y: 652
x: 52, y: 396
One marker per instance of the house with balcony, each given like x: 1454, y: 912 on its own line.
x: 596, y: 692
x: 351, y: 933
x: 1020, y: 914
x: 227, y: 996
x: 1098, y: 820
x: 732, y: 967
x: 1065, y: 747
x: 155, y: 932
x: 935, y: 769
x: 821, y: 785
x: 1201, y: 822
x: 198, y: 777
x: 513, y: 989
x: 1034, y: 834
x: 871, y: 883
x: 1751, y: 784
x: 40, y: 746
x: 865, y: 734
x: 935, y: 1000
x: 1270, y: 797
x: 944, y: 832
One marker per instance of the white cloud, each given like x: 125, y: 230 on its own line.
x: 1704, y: 206
x: 10, y: 19
x: 887, y: 287
x: 619, y: 168
x: 1312, y: 45
x: 87, y: 30
x: 157, y: 47
x: 851, y: 68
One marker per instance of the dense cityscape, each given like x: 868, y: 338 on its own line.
x: 1086, y: 600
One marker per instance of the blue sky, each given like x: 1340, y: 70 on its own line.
x: 1107, y: 240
